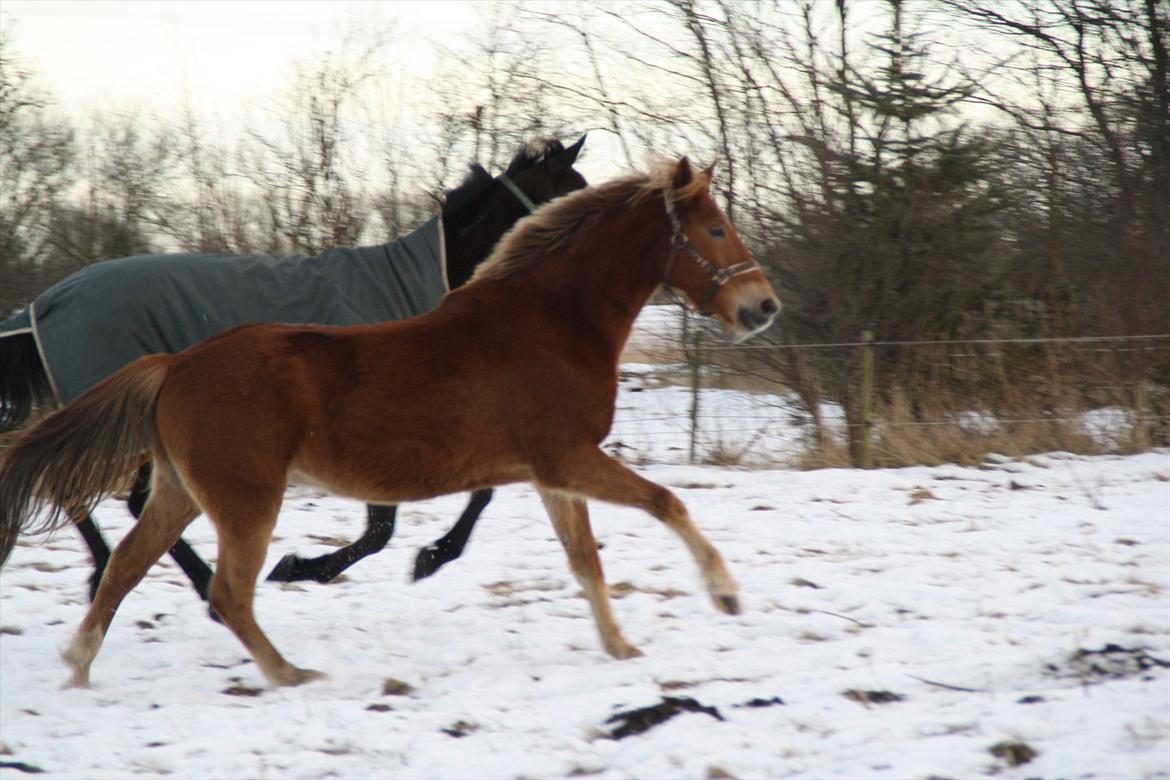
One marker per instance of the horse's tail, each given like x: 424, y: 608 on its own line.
x: 69, y: 461
x: 24, y: 385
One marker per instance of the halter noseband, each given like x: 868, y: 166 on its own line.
x: 679, y: 241
x: 513, y: 188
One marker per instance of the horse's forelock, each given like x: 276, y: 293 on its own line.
x: 661, y: 179
x: 534, y: 152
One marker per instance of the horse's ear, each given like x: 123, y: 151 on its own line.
x: 479, y: 172
x: 566, y: 158
x: 683, y: 174
x: 709, y: 171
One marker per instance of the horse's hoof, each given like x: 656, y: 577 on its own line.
x: 427, y: 563
x: 285, y: 570
x: 625, y: 653
x: 76, y: 682
x: 211, y: 613
x: 302, y: 676
x: 728, y: 604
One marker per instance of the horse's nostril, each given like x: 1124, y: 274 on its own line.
x: 769, y: 306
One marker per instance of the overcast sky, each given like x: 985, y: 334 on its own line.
x: 230, y: 59
x: 97, y: 53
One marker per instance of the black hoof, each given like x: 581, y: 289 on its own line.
x: 285, y: 570
x: 729, y: 604
x: 427, y: 563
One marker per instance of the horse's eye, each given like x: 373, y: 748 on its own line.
x: 716, y: 231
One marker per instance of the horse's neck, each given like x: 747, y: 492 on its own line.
x: 469, y: 243
x: 601, y: 291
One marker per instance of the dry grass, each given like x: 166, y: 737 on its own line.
x: 902, y: 439
x: 939, y: 435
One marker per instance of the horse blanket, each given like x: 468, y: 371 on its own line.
x: 106, y: 315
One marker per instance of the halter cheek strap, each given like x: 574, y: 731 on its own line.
x: 679, y: 241
x: 511, y: 187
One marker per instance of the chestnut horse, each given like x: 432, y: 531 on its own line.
x: 512, y: 378
x: 475, y: 215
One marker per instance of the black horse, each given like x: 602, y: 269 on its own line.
x: 46, y: 364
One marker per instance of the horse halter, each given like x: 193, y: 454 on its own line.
x: 513, y: 188
x: 679, y: 241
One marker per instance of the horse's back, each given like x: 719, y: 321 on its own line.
x: 109, y: 313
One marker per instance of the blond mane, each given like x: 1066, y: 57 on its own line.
x: 554, y: 225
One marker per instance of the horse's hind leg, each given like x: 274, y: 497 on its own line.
x: 324, y: 568
x: 570, y: 518
x: 245, y: 528
x: 590, y: 472
x: 168, y: 512
x: 442, y: 551
x: 182, y: 553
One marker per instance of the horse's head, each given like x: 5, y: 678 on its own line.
x: 708, y: 263
x: 543, y: 170
x: 481, y: 209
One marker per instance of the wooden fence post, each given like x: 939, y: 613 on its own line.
x: 693, y: 348
x: 866, y: 396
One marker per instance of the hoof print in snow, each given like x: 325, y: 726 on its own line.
x: 1013, y: 753
x: 1111, y: 662
x: 393, y: 687
x: 872, y: 697
x: 643, y: 719
x: 379, y: 708
x: 240, y: 689
x: 756, y: 703
x: 460, y: 728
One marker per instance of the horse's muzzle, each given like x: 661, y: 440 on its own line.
x: 755, y: 318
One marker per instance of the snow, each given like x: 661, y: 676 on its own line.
x: 965, y: 590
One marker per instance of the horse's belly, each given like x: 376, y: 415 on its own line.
x: 408, y: 479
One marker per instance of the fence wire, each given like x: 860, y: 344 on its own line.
x: 746, y: 401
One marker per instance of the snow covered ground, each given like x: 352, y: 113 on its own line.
x: 1010, y: 620
x: 990, y: 581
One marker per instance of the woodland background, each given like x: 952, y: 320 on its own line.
x: 982, y: 186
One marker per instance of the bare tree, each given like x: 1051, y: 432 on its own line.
x: 310, y: 169
x: 37, y: 153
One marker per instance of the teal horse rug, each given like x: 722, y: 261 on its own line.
x: 106, y: 315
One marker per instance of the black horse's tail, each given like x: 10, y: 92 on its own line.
x: 24, y: 385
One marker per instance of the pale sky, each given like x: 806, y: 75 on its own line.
x: 229, y: 59
x: 100, y: 52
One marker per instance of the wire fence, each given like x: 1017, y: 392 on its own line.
x: 777, y: 403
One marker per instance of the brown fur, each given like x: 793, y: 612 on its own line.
x: 512, y: 378
x: 551, y: 228
x: 70, y: 462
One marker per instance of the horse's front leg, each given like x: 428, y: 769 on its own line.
x: 570, y: 518
x: 592, y: 473
x: 324, y: 568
